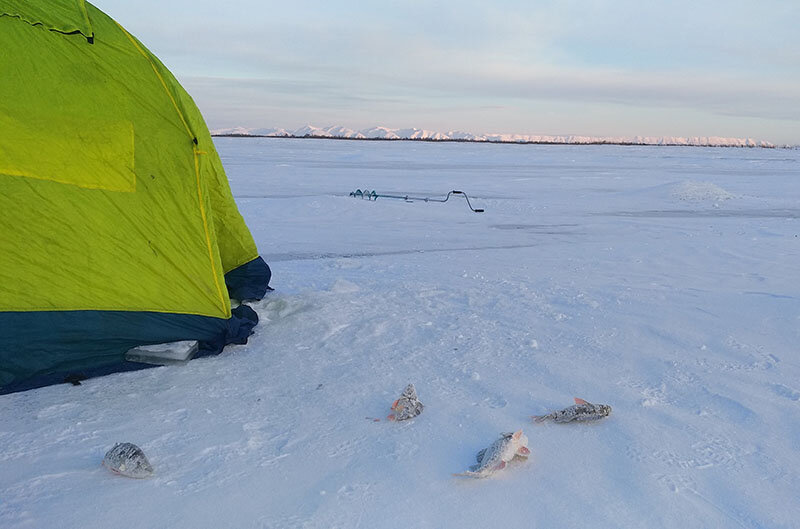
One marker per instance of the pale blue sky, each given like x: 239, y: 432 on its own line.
x: 623, y: 67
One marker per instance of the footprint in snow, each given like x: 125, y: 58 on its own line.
x: 495, y: 401
x: 786, y: 392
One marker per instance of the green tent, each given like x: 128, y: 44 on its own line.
x: 117, y: 224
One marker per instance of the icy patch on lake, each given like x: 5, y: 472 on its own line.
x: 701, y: 191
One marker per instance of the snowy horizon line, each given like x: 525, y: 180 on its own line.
x: 385, y: 133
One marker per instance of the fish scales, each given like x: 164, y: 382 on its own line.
x: 581, y: 411
x: 495, y: 457
x: 407, y: 406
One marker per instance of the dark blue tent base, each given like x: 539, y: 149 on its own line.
x: 42, y: 348
x: 250, y: 281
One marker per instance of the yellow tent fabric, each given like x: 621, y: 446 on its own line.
x: 113, y: 198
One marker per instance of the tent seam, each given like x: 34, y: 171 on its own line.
x: 196, y: 152
x: 243, y: 262
x: 118, y: 309
x: 161, y: 79
x: 86, y: 18
x: 23, y: 174
x: 35, y: 23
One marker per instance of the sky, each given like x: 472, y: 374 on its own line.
x: 602, y: 68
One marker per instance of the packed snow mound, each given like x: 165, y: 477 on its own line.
x: 701, y: 191
x: 385, y: 133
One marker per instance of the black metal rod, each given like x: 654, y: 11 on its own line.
x: 372, y: 195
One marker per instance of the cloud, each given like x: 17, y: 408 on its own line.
x: 256, y: 60
x: 506, y: 85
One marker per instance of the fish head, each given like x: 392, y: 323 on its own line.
x: 410, y: 392
x: 604, y: 409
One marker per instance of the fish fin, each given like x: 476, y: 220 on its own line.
x: 516, y: 435
x: 539, y: 418
x: 500, y: 466
x: 391, y: 417
x: 524, y: 451
x: 394, y: 404
x: 580, y: 401
x: 469, y: 475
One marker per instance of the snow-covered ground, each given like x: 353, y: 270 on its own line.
x: 661, y: 281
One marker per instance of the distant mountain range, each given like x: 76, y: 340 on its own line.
x: 383, y: 133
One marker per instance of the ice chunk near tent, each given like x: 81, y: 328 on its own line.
x: 407, y: 406
x: 498, y: 454
x: 127, y: 459
x: 582, y: 411
x: 164, y: 353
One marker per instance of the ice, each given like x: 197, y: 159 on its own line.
x: 586, y: 277
x: 698, y: 191
x: 164, y: 353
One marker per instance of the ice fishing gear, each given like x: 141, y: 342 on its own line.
x: 372, y: 195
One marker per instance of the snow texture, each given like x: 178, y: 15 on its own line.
x: 586, y: 276
x: 701, y: 191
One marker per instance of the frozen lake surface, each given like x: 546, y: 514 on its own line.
x: 661, y: 281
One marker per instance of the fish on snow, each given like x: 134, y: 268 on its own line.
x: 407, y: 406
x: 127, y: 459
x: 581, y: 411
x: 495, y: 457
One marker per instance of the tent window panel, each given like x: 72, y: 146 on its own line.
x: 79, y: 152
